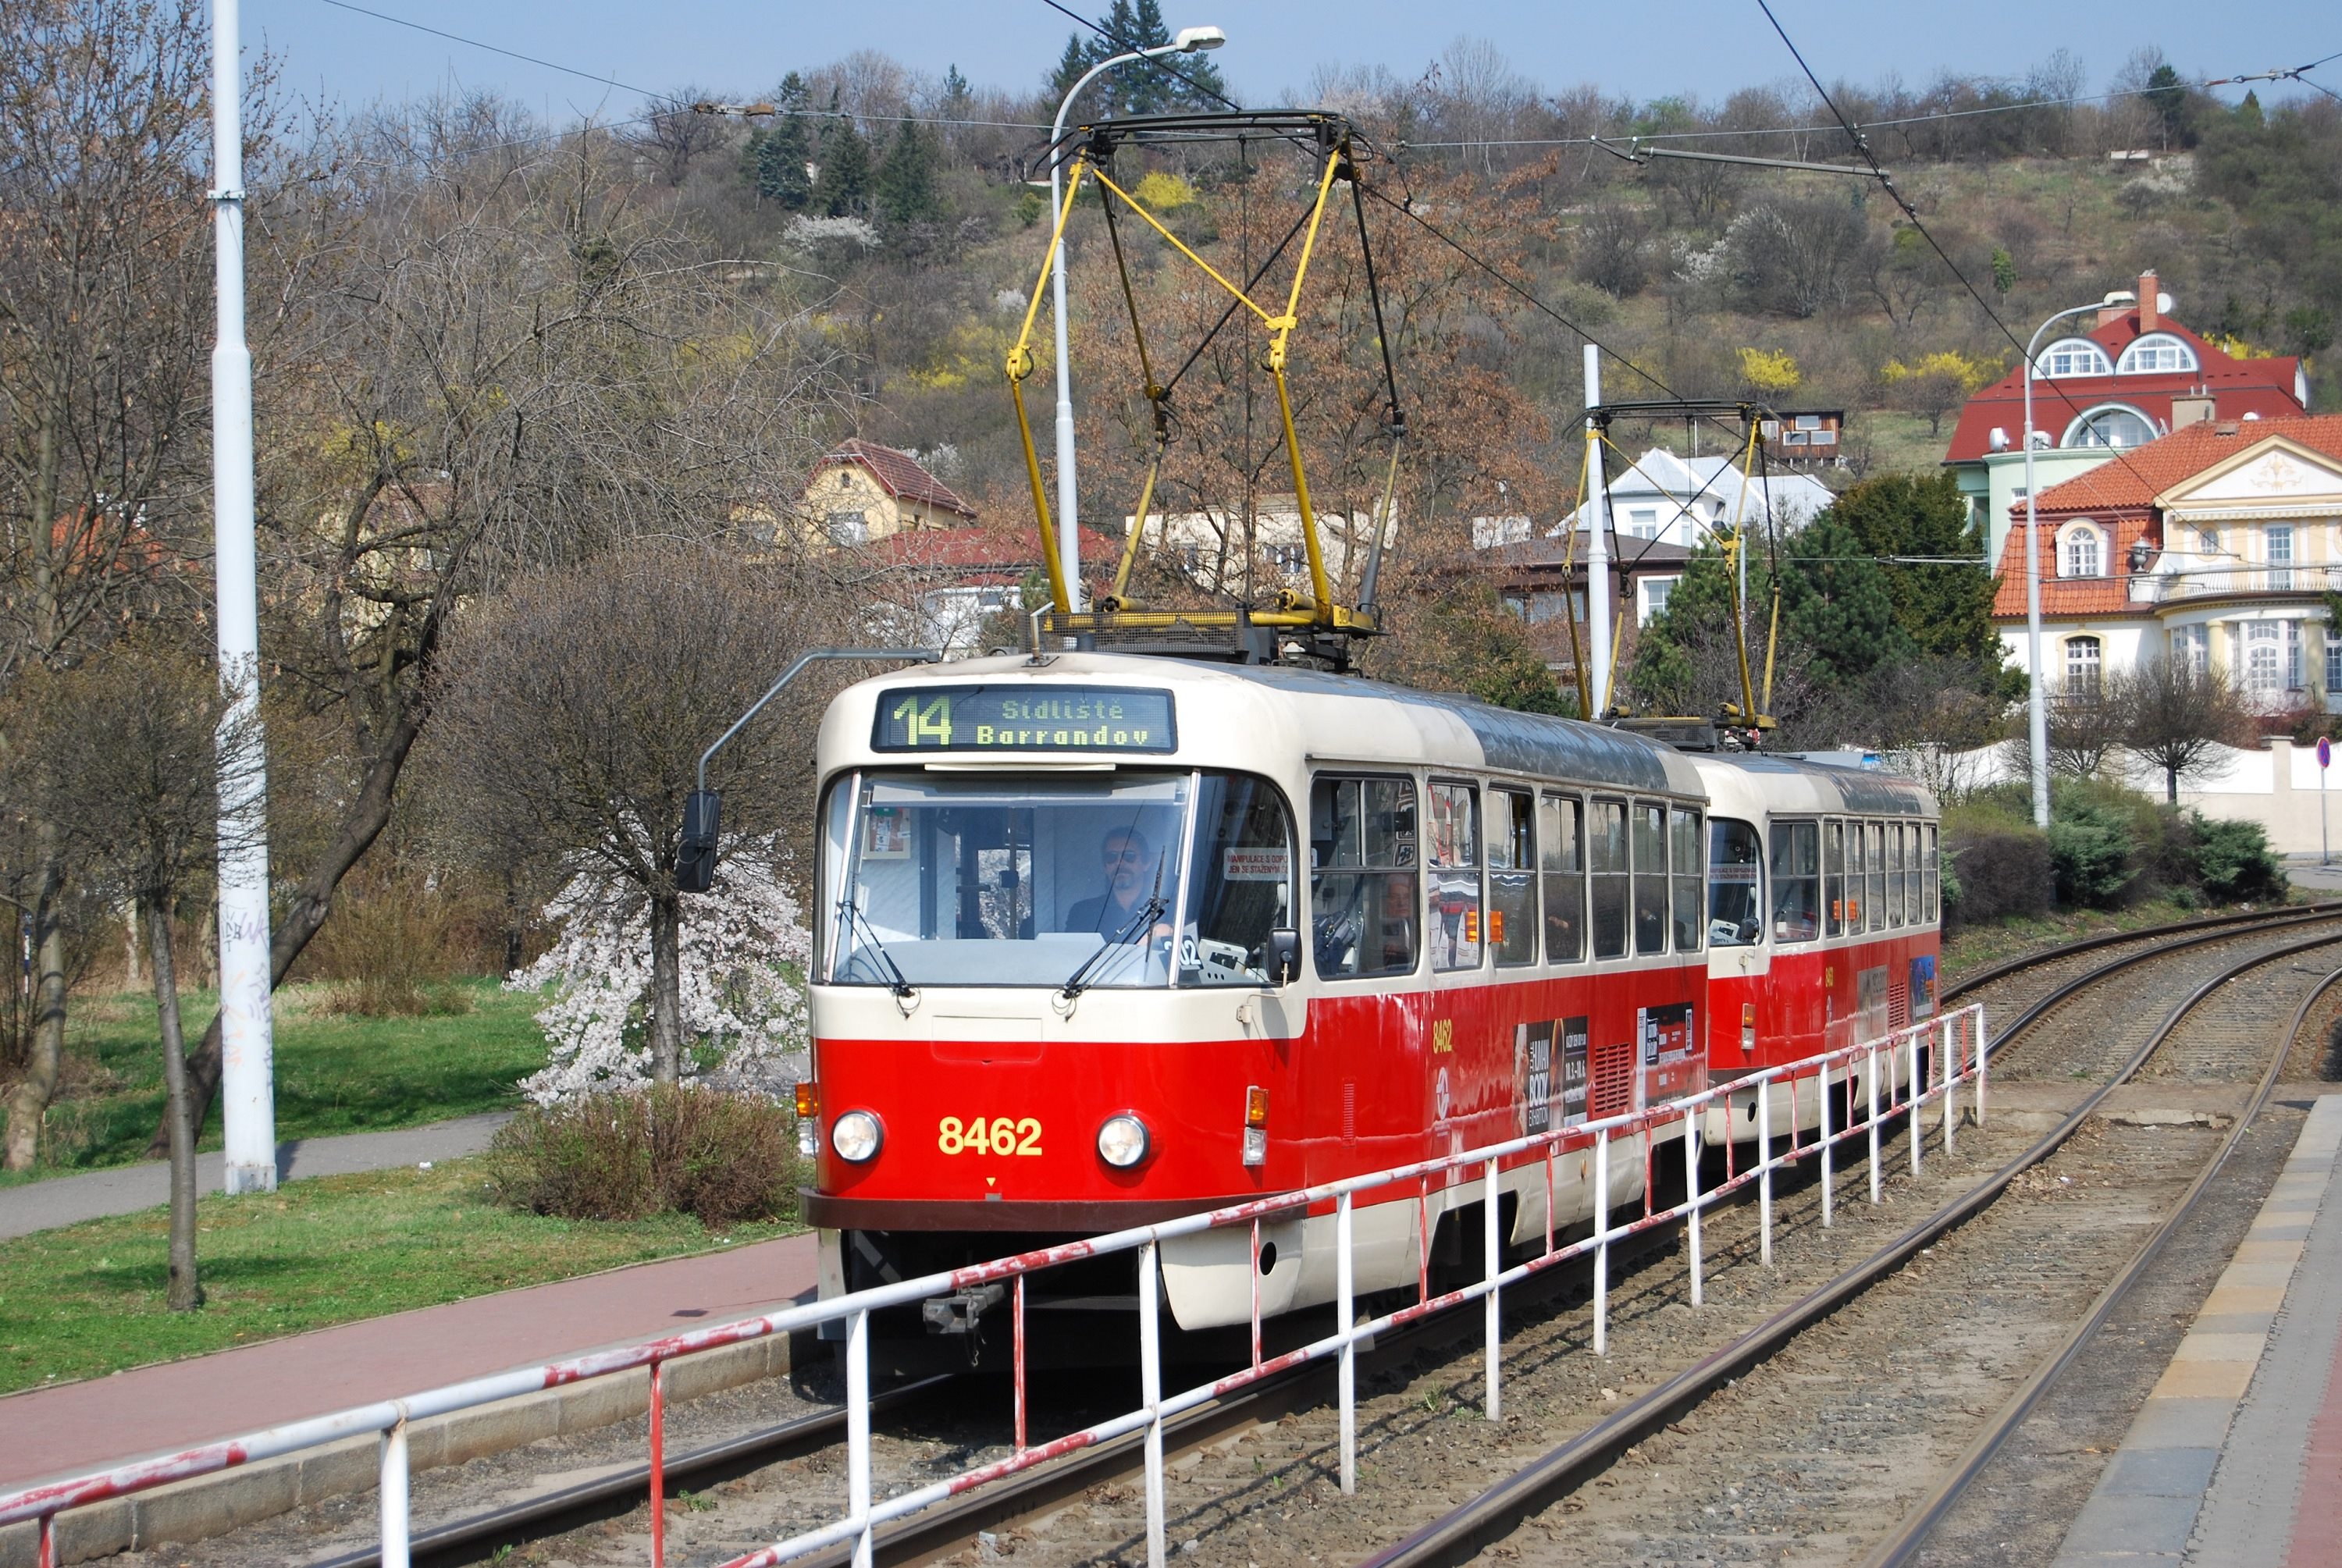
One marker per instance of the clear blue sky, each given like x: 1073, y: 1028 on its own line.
x: 1707, y: 47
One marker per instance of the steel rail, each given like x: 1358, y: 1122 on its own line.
x: 1916, y: 1526
x: 1460, y: 1535
x: 2282, y: 914
x: 564, y: 1509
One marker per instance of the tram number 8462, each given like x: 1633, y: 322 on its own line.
x: 1001, y: 1135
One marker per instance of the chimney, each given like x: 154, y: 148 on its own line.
x: 2148, y: 289
x: 2191, y: 407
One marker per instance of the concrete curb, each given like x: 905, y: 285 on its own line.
x: 215, y: 1504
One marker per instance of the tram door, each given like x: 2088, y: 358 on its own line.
x: 1361, y: 1077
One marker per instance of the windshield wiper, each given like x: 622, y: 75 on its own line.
x: 896, y: 982
x: 1146, y: 915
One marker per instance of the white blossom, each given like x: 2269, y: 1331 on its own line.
x: 744, y: 951
x: 806, y: 233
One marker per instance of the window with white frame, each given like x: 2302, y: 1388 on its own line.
x: 1653, y: 592
x: 2292, y: 656
x: 1643, y: 523
x: 2333, y: 663
x: 2074, y: 357
x: 2084, y: 661
x: 2191, y: 649
x: 2113, y: 425
x: 2083, y: 553
x: 2279, y: 537
x: 2264, y: 657
x: 2158, y: 351
x: 2208, y: 541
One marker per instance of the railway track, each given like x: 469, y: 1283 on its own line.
x: 1822, y: 1412
x: 783, y: 1475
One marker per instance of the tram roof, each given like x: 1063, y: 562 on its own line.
x: 1756, y: 784
x: 1351, y: 718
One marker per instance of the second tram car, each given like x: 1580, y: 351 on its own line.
x: 1107, y: 938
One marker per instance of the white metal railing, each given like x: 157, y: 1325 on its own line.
x: 1747, y: 1105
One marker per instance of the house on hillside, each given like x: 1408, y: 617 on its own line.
x: 2215, y: 545
x: 1209, y: 547
x: 2137, y: 375
x: 862, y: 492
x: 1680, y: 501
x: 943, y: 584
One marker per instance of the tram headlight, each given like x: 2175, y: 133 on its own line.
x: 1122, y: 1141
x: 854, y: 1137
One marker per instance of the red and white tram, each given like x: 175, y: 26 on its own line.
x: 1108, y: 938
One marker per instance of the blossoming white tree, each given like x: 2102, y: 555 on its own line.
x: 743, y: 952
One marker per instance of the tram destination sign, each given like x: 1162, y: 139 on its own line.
x: 1024, y: 717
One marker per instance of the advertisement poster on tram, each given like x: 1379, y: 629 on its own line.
x: 1670, y: 1059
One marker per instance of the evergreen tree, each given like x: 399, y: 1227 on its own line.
x: 907, y: 189
x: 842, y: 190
x: 1835, y: 601
x: 1945, y: 610
x: 783, y: 152
x: 1071, y: 67
x: 2168, y: 99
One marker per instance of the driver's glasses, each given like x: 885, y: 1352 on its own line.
x: 1118, y: 856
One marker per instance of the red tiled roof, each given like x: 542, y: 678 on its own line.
x: 2237, y: 387
x: 898, y: 473
x: 2072, y: 597
x: 2142, y: 472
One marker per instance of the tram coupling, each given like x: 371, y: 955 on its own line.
x: 957, y: 1312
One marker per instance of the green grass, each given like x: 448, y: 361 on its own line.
x: 86, y: 1299
x: 335, y: 1073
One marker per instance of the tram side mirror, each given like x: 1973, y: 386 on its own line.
x: 1284, y: 954
x: 694, y: 863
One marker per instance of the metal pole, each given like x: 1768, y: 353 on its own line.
x: 1871, y: 1082
x: 247, y: 1050
x: 1597, y: 551
x: 1984, y: 1046
x: 1911, y: 1123
x: 392, y: 1493
x: 1765, y: 1169
x: 1602, y: 1241
x: 1691, y: 1196
x: 1494, y: 1265
x: 1951, y: 1087
x: 1346, y: 1304
x: 658, y: 1465
x: 857, y: 1433
x: 1150, y: 1393
x: 1830, y: 1213
x: 2036, y: 711
x: 1069, y: 518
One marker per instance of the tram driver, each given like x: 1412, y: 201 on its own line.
x: 1132, y: 880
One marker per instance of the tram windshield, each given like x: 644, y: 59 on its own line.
x: 1125, y: 880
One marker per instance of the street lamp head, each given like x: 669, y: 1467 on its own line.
x: 2120, y: 296
x: 1194, y: 40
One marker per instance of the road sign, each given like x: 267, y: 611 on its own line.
x: 2324, y: 752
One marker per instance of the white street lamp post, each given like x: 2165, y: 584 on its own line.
x: 247, y: 1065
x: 1190, y: 40
x: 2038, y: 716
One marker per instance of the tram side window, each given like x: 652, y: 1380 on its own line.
x: 1512, y: 877
x: 1914, y: 878
x: 1561, y: 837
x: 1650, y: 822
x: 1797, y: 882
x: 1364, y: 908
x: 1934, y: 870
x: 1736, y: 911
x: 1833, y: 878
x: 1898, y: 908
x: 1857, y: 895
x: 1876, y: 833
x: 1607, y: 860
x: 1455, y: 867
x: 1687, y: 877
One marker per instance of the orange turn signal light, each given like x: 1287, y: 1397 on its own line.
x: 808, y: 1100
x: 1256, y: 1106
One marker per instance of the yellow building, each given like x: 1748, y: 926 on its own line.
x: 863, y: 492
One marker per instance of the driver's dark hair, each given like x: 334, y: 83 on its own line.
x: 1135, y: 835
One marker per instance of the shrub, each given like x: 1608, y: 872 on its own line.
x: 621, y: 1155
x: 391, y: 941
x: 2089, y: 855
x: 2233, y: 860
x: 1995, y: 864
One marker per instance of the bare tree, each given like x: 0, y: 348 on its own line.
x: 497, y: 359
x: 573, y: 715
x: 124, y: 751
x: 672, y: 133
x: 2085, y: 727
x: 2178, y: 718
x: 104, y: 258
